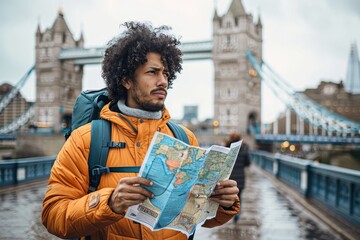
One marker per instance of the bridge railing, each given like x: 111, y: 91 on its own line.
x: 24, y: 170
x: 336, y: 188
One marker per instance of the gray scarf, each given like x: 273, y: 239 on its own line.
x: 133, y: 112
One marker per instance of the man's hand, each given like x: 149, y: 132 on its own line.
x: 225, y: 193
x: 128, y: 193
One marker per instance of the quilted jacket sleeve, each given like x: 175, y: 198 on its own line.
x: 68, y: 210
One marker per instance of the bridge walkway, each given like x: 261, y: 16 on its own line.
x: 267, y: 214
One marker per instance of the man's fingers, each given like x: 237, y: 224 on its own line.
x: 227, y: 183
x: 126, y: 195
x: 125, y: 189
x: 132, y: 196
x: 136, y: 181
x: 225, y: 191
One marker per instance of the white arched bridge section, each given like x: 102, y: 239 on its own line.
x: 303, y: 106
x: 8, y: 98
x: 19, y: 122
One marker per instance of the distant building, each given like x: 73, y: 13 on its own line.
x: 190, y: 113
x: 334, y: 97
x: 14, y: 110
x: 352, y: 81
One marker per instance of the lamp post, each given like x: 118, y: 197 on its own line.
x: 216, y: 125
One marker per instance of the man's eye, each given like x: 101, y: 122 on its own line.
x: 166, y: 74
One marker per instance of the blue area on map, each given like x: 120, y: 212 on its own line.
x: 179, y: 194
x: 162, y: 184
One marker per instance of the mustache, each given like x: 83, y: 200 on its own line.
x: 160, y: 89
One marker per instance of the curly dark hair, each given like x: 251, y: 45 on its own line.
x: 128, y: 51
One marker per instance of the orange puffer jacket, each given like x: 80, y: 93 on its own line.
x: 69, y: 211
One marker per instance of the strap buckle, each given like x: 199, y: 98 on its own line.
x: 99, y: 170
x: 116, y: 144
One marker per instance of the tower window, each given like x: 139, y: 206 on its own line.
x: 64, y: 37
x: 228, y: 39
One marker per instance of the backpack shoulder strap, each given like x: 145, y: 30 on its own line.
x: 178, y: 131
x: 99, y: 149
x: 99, y: 102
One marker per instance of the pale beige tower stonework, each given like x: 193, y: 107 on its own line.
x: 58, y: 82
x: 237, y: 97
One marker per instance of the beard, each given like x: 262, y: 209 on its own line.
x: 146, y: 104
x: 150, y: 106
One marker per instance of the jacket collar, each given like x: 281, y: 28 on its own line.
x: 129, y: 123
x: 137, y: 112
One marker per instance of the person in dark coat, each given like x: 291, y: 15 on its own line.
x: 242, y: 161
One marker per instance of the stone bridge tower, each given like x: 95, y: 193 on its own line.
x: 58, y: 82
x: 237, y: 88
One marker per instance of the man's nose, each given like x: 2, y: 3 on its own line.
x: 162, y: 80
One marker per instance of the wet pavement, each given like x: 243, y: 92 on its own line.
x: 266, y: 215
x: 20, y: 209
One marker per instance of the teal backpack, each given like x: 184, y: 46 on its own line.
x: 87, y: 109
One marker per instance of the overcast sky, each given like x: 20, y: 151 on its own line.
x: 305, y: 41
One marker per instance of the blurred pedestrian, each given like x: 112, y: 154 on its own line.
x: 242, y: 161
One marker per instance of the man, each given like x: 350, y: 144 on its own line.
x: 139, y: 67
x: 242, y: 161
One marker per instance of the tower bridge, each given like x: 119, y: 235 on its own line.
x: 239, y: 69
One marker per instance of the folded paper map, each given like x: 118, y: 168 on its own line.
x: 183, y: 178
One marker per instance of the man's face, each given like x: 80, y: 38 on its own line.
x: 149, y: 89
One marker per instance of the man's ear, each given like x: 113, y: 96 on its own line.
x: 126, y: 83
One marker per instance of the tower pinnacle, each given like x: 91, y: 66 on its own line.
x: 352, y: 80
x: 61, y: 11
